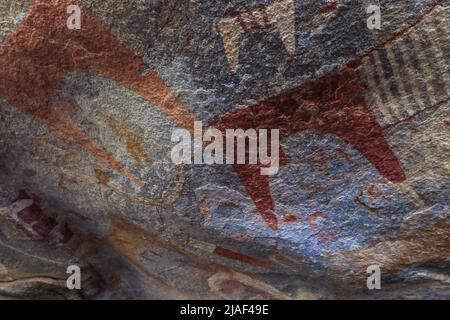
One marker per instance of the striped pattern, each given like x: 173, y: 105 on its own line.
x: 410, y: 74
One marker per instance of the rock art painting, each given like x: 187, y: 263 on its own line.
x: 88, y: 180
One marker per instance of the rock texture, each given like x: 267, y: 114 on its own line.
x: 86, y: 177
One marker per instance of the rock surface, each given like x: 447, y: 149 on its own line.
x: 86, y: 176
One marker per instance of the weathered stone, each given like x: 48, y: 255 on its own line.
x: 86, y: 176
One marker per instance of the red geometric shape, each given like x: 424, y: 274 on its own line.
x: 333, y: 104
x: 43, y: 51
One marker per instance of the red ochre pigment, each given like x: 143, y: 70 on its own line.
x: 333, y: 104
